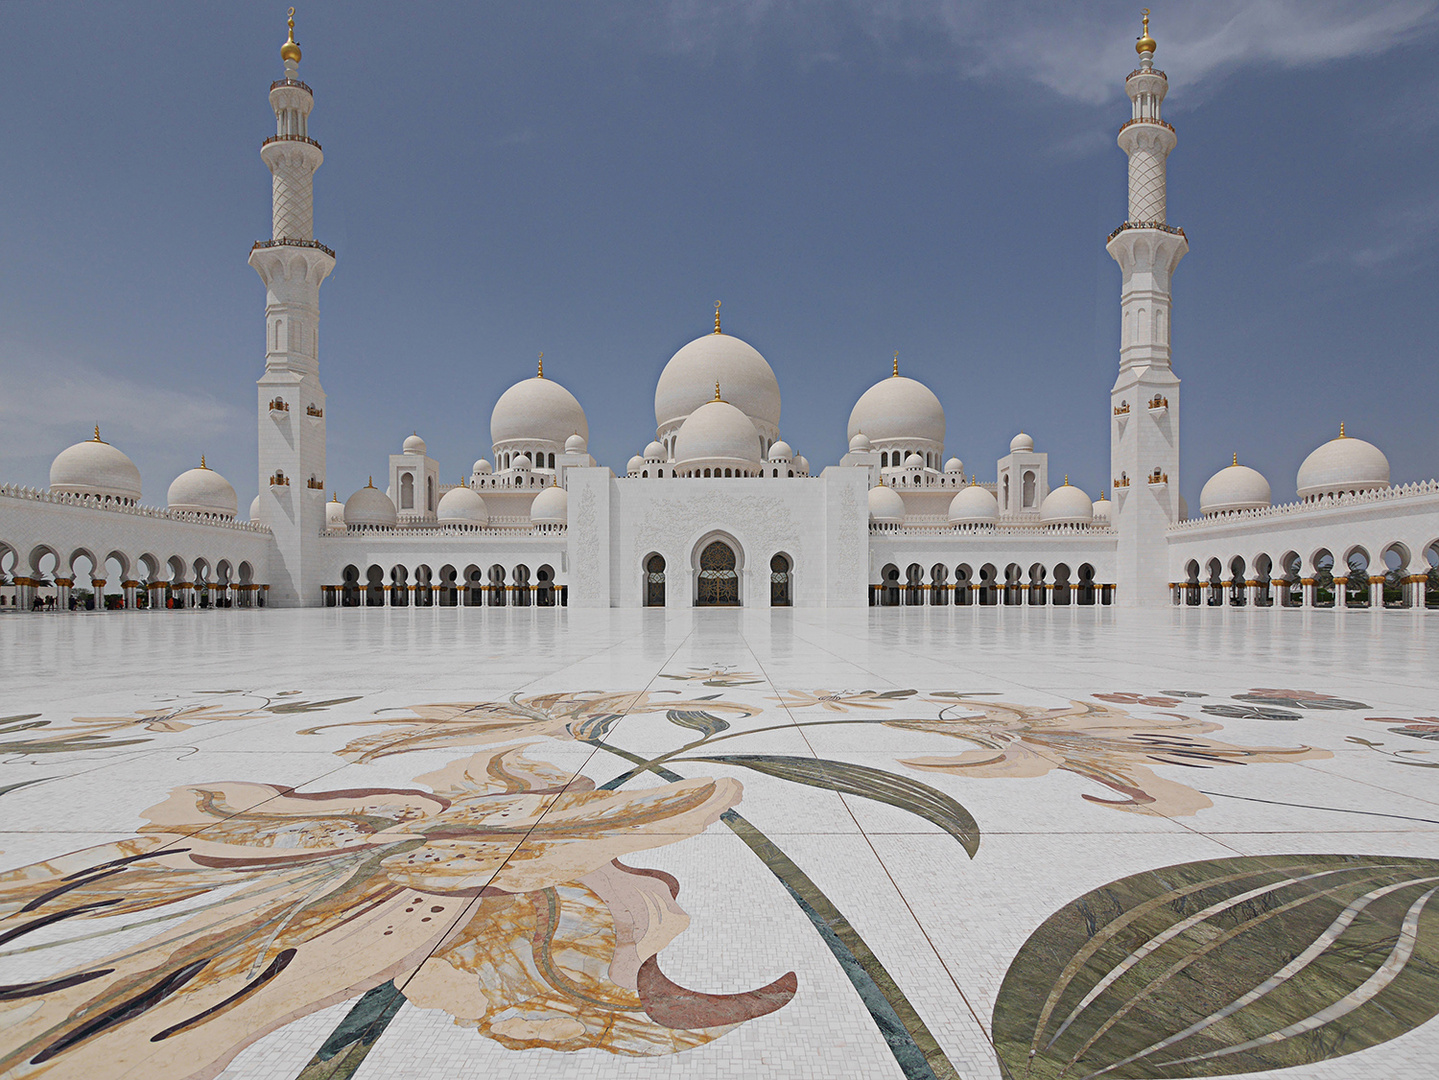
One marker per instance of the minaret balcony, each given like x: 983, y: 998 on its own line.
x: 317, y: 146
x: 296, y: 83
x: 1159, y: 225
x: 1146, y: 120
x: 285, y: 241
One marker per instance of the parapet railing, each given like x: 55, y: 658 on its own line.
x: 285, y: 241
x: 292, y: 82
x: 1146, y: 120
x: 1328, y: 502
x: 1136, y: 71
x: 1173, y: 230
x: 1033, y: 532
x: 312, y: 142
x: 89, y: 502
x: 501, y: 528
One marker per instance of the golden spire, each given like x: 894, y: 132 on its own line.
x: 717, y: 327
x: 97, y: 434
x: 202, y: 462
x: 371, y: 483
x: 896, y: 366
x: 542, y: 366
x: 717, y: 393
x: 1066, y: 479
x: 1236, y: 458
x: 334, y: 496
x: 289, y: 50
x: 1145, y: 44
x: 1341, y: 431
x: 1101, y: 494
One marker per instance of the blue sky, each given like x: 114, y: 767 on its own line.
x: 930, y: 176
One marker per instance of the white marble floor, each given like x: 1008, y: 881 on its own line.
x: 890, y: 843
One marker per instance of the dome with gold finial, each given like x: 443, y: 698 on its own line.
x: 96, y: 469
x: 1343, y: 466
x: 203, y: 491
x: 289, y: 50
x: 687, y: 382
x: 1145, y: 44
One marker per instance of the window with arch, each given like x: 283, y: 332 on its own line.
x: 718, y: 577
x: 779, y: 581
x: 655, y: 581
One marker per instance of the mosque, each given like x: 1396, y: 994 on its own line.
x: 717, y: 508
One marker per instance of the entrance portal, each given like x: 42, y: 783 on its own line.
x: 718, y: 581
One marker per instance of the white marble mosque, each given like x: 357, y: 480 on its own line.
x: 717, y: 508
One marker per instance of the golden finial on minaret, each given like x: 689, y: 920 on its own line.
x: 1341, y: 430
x: 542, y: 366
x: 1236, y: 457
x: 334, y: 496
x: 717, y: 327
x: 1146, y: 43
x: 202, y: 462
x: 289, y: 50
x: 896, y: 366
x: 97, y: 434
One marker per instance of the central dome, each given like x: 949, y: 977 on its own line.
x: 537, y: 409
x: 898, y: 408
x: 688, y: 381
x: 717, y: 432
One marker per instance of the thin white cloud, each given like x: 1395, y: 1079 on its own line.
x: 1409, y: 233
x: 1078, y: 50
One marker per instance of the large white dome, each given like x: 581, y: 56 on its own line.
x: 717, y: 431
x: 463, y: 505
x: 745, y: 378
x: 973, y: 506
x: 885, y: 506
x: 1066, y: 506
x: 1343, y: 465
x: 203, y: 491
x: 1237, y: 487
x: 95, y: 468
x: 370, y: 506
x: 551, y: 507
x: 539, y: 409
x: 898, y: 408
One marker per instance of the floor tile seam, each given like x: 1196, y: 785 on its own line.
x: 843, y: 660
x: 893, y: 884
x: 1370, y: 784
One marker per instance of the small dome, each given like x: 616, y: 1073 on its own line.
x: 688, y: 380
x: 974, y: 506
x: 551, y: 507
x: 334, y: 514
x: 539, y: 409
x: 203, y: 491
x: 885, y: 506
x: 802, y: 464
x: 95, y: 468
x: 781, y: 451
x: 1340, y: 466
x: 1066, y: 506
x: 1102, y: 508
x: 914, y: 461
x: 717, y: 431
x: 414, y: 445
x: 898, y: 408
x: 482, y: 468
x: 463, y: 505
x: 954, y: 465
x: 1235, y: 488
x: 1021, y: 443
x: 1183, y: 509
x: 654, y: 451
x: 636, y: 464
x: 255, y: 508
x: 576, y: 444
x: 370, y: 506
x: 859, y: 443
x: 522, y: 462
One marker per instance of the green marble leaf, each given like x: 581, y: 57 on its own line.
x: 919, y: 799
x: 705, y: 723
x: 1226, y: 966
x: 308, y: 706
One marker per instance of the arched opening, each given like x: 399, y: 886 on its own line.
x: 718, y: 582
x: 521, y: 578
x: 913, y: 585
x: 84, y: 594
x: 116, y: 572
x: 1036, y: 584
x: 1396, y: 575
x: 889, y: 590
x: 1357, y: 591
x: 449, y: 592
x: 407, y: 491
x: 1216, y: 583
x: 1264, y: 575
x: 1005, y: 498
x: 654, y: 573
x: 545, y: 586
x: 1013, y: 585
x: 203, y: 593
x: 147, y: 568
x: 1086, y: 588
x: 1430, y: 590
x: 1029, y: 489
x: 1062, y: 591
x: 963, y: 594
x: 988, y: 585
x: 497, y: 586
x: 1191, y: 583
x: 1236, y: 582
x: 1324, y: 587
x: 224, y: 578
x: 474, y: 592
x: 779, y: 570
x: 350, y: 586
x: 424, y: 591
x: 374, y: 587
x: 399, y: 587
x: 938, y: 585
x: 430, y: 494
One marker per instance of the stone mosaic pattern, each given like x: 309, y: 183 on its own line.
x: 903, y: 843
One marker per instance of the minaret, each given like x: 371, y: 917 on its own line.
x: 1144, y: 405
x: 292, y: 264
